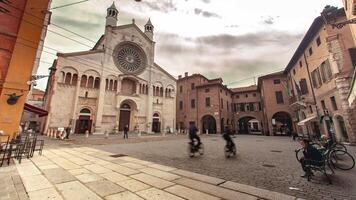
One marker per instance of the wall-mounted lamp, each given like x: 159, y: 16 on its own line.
x: 13, y: 98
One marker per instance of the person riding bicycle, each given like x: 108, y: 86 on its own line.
x: 193, y: 135
x: 312, y: 156
x: 227, y: 137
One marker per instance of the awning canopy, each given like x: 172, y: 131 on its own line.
x: 302, y: 123
x: 34, y: 109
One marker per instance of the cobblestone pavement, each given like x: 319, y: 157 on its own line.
x: 263, y: 162
x: 87, y: 173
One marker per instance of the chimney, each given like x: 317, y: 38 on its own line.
x: 180, y: 76
x: 185, y: 74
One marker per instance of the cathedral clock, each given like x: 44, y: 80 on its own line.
x: 129, y: 58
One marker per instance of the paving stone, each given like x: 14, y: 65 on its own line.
x: 214, y: 190
x: 27, y: 170
x: 104, y: 188
x: 58, y: 175
x: 76, y: 191
x: 162, y: 167
x: 121, y: 169
x: 119, y: 161
x: 80, y: 161
x: 97, y: 169
x: 115, y: 177
x: 64, y: 163
x: 189, y: 194
x: 156, y: 194
x: 85, y: 178
x: 79, y: 171
x: 124, y: 196
x: 133, y: 165
x: 257, y: 191
x: 45, y: 194
x: 133, y: 185
x: 151, y: 180
x: 135, y: 160
x: 36, y: 182
x: 43, y: 163
x: 199, y: 177
x: 51, y: 166
x: 160, y: 174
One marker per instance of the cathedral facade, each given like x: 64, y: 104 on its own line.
x: 113, y: 85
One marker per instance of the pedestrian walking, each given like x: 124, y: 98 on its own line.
x: 68, y: 130
x: 126, y: 130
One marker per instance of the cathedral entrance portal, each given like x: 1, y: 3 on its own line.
x: 84, y: 123
x: 156, y: 124
x: 125, y: 114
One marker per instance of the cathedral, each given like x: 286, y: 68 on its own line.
x: 113, y: 85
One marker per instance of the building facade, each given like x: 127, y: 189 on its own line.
x: 19, y: 47
x: 203, y: 102
x: 113, y: 85
x: 31, y: 120
x: 319, y: 76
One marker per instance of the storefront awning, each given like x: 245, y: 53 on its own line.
x: 304, y: 121
x: 34, y: 109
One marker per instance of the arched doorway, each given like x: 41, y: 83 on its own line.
x: 208, y: 124
x: 156, y: 124
x: 340, y: 128
x: 84, y: 122
x: 249, y: 125
x: 125, y: 115
x: 282, y: 123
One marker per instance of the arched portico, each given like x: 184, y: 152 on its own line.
x: 282, y: 123
x: 208, y: 123
x: 248, y: 125
x: 156, y: 123
x: 84, y: 121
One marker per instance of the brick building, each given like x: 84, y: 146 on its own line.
x: 319, y: 75
x: 203, y: 102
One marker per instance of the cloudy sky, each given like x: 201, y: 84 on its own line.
x: 232, y: 39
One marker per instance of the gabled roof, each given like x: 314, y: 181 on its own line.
x: 244, y: 89
x: 96, y: 46
x: 136, y: 27
x: 164, y: 71
x: 79, y: 53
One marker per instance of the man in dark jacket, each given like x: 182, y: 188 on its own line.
x: 312, y: 156
x: 227, y: 136
x: 126, y: 130
x: 193, y: 134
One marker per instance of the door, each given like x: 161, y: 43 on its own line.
x: 156, y: 126
x: 124, y: 119
x: 83, y: 124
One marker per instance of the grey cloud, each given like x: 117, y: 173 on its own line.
x: 252, y: 39
x: 204, y: 13
x: 163, y: 6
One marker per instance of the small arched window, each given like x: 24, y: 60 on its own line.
x: 74, y: 79
x: 68, y: 78
x: 90, y: 82
x: 115, y: 85
x: 146, y: 89
x: 106, y: 84
x: 161, y: 91
x: 83, y: 82
x: 111, y: 85
x: 97, y: 83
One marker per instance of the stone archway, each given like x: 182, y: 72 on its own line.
x: 156, y: 123
x: 282, y: 123
x: 127, y: 112
x: 208, y: 124
x: 249, y: 125
x: 84, y: 121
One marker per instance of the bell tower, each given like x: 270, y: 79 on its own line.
x: 149, y: 29
x: 111, y: 16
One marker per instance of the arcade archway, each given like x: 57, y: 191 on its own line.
x: 84, y: 121
x: 208, y: 124
x: 127, y: 109
x: 282, y: 123
x: 249, y: 125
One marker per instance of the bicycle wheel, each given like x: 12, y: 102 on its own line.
x: 342, y: 160
x: 299, y: 154
x: 227, y: 151
x: 190, y: 151
x: 201, y: 149
x: 339, y: 146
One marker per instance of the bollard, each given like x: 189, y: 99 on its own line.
x: 86, y: 133
x: 207, y: 131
